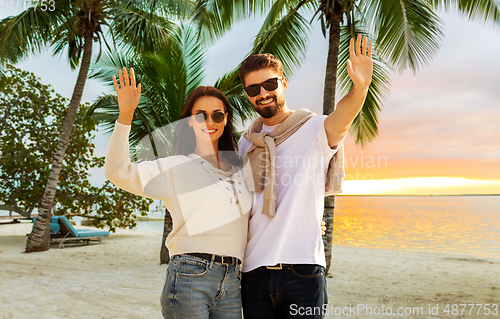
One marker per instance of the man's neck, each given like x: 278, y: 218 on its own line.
x: 278, y: 118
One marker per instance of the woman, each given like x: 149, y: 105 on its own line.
x: 205, y: 194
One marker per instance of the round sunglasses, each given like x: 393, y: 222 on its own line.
x: 217, y: 117
x: 269, y: 85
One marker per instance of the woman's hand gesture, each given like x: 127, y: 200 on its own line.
x: 128, y: 95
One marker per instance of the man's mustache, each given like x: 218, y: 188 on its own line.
x: 265, y: 98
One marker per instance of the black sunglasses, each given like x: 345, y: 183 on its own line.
x: 269, y: 85
x: 217, y: 117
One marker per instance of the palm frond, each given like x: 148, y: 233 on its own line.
x: 105, y: 110
x: 81, y: 17
x: 68, y: 38
x: 108, y: 65
x: 407, y: 32
x: 232, y: 88
x: 253, y: 8
x: 145, y: 32
x: 229, y: 83
x: 166, y: 79
x: 286, y: 39
x: 215, y: 17
x: 178, y: 9
x: 365, y: 126
x: 485, y: 11
x: 308, y: 6
x: 242, y: 108
x: 194, y: 56
x: 275, y: 13
x: 28, y: 32
x: 178, y: 70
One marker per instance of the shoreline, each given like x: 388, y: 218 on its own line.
x: 122, y: 278
x: 155, y: 218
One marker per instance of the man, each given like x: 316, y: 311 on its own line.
x: 290, y: 155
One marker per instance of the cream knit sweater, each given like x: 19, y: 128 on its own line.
x: 209, y: 207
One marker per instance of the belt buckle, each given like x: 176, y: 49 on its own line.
x: 229, y: 263
x: 277, y: 267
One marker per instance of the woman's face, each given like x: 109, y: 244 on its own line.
x: 209, y: 129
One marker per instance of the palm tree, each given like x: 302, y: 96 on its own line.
x: 407, y: 35
x: 75, y: 25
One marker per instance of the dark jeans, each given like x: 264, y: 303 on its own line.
x: 297, y: 291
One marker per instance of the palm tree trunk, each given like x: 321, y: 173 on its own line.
x: 167, y: 222
x: 167, y: 228
x: 328, y: 107
x: 39, y: 238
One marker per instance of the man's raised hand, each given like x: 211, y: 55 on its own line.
x: 128, y: 95
x: 360, y: 63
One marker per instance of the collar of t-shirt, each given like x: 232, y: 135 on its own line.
x: 268, y: 129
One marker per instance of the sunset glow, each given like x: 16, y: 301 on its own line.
x: 421, y: 186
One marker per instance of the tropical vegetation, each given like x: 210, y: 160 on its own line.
x: 31, y: 117
x: 73, y: 27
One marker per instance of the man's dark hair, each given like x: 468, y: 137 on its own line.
x: 256, y: 62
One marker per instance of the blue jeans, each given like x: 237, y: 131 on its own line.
x: 200, y: 289
x: 297, y: 291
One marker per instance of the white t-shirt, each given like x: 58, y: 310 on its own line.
x: 293, y: 236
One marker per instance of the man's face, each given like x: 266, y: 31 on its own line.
x: 266, y: 103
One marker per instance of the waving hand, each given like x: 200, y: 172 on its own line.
x: 128, y: 95
x: 360, y: 64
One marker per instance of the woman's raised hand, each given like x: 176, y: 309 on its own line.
x: 128, y: 95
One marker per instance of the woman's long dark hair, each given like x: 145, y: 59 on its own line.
x: 185, y: 144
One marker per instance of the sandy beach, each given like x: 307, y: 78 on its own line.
x: 122, y: 278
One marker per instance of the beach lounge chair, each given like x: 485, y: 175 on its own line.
x: 54, y: 225
x: 61, y: 231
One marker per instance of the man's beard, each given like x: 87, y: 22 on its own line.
x: 269, y: 111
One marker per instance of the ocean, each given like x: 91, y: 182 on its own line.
x: 467, y: 225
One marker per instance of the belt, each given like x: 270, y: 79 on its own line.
x: 228, y: 260
x: 279, y: 266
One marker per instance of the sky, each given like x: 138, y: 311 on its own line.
x: 438, y: 130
